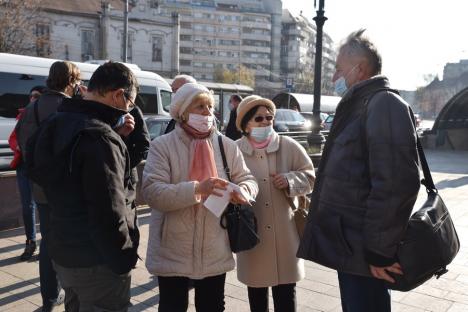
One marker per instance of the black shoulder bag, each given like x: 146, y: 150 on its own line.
x: 430, y: 242
x: 239, y: 220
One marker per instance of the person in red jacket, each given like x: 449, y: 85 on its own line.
x: 24, y: 185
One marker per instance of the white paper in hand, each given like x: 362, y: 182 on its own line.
x: 217, y: 204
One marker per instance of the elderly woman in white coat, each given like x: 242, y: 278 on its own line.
x: 283, y: 169
x: 183, y: 168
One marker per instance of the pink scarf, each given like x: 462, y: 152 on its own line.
x: 202, y: 162
x: 260, y: 145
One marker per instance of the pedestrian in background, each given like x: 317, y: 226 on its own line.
x: 63, y: 81
x: 24, y: 185
x: 367, y: 183
x: 84, y: 167
x: 178, y: 82
x: 283, y: 169
x: 231, y: 130
x: 186, y: 240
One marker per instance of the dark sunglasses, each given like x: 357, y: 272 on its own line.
x: 261, y: 118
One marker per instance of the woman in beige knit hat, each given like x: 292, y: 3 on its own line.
x: 183, y: 168
x: 283, y: 169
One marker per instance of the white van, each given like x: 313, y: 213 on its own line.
x: 19, y: 73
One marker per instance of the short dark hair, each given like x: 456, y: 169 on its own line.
x: 112, y: 76
x: 249, y: 116
x: 61, y: 74
x: 236, y: 97
x: 40, y: 89
x: 359, y: 45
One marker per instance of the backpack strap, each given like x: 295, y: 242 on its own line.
x: 36, y: 112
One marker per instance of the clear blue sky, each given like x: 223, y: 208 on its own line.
x: 415, y: 37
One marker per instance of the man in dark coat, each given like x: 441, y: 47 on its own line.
x: 367, y: 183
x: 84, y: 168
x: 63, y: 80
x: 231, y: 129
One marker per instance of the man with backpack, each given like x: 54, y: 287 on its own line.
x: 63, y: 82
x: 24, y: 185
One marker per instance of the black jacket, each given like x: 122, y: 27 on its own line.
x: 84, y: 168
x: 367, y: 183
x: 231, y: 129
x: 137, y: 144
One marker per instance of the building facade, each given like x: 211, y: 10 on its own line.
x: 226, y: 34
x: 93, y: 30
x: 195, y: 37
x: 298, y: 45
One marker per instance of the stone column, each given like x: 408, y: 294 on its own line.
x: 175, y: 43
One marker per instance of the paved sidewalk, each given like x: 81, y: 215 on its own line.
x: 19, y: 281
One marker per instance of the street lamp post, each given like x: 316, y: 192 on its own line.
x: 316, y: 139
x: 125, y: 33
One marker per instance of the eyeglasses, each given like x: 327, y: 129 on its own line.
x: 128, y: 98
x: 261, y: 118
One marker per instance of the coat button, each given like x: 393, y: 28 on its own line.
x: 264, y: 179
x: 267, y: 204
x: 268, y: 227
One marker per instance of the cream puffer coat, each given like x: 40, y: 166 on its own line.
x: 273, y: 261
x: 184, y: 240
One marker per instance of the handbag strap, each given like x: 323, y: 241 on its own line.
x: 428, y: 182
x: 223, y: 156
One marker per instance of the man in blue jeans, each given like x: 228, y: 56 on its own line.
x: 367, y: 183
x: 24, y: 185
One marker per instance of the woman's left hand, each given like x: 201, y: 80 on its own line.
x: 279, y: 181
x: 238, y: 199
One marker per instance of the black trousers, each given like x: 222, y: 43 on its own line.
x: 284, y: 298
x: 209, y: 293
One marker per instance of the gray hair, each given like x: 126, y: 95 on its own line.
x: 358, y: 45
x: 185, y: 78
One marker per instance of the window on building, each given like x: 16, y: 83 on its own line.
x: 154, y: 4
x: 185, y: 38
x: 157, y: 49
x: 42, y: 40
x: 87, y: 44
x: 185, y: 50
x: 185, y: 62
x: 186, y: 25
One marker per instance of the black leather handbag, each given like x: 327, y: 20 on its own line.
x: 239, y: 220
x: 430, y: 242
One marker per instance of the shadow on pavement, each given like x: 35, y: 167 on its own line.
x: 452, y: 183
x: 20, y: 295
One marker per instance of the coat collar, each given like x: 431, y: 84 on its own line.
x: 246, y: 147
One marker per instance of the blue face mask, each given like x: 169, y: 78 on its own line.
x: 260, y: 134
x: 340, y: 83
x: 340, y: 86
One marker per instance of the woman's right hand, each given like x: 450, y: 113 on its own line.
x: 210, y: 186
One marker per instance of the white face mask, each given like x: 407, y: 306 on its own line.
x: 260, y: 134
x: 201, y: 123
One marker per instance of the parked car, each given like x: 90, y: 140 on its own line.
x: 310, y: 116
x: 328, y: 122
x: 156, y: 125
x: 290, y: 120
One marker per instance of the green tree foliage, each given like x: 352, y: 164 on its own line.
x: 242, y: 75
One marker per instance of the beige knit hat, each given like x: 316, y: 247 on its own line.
x: 250, y: 102
x: 183, y: 98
